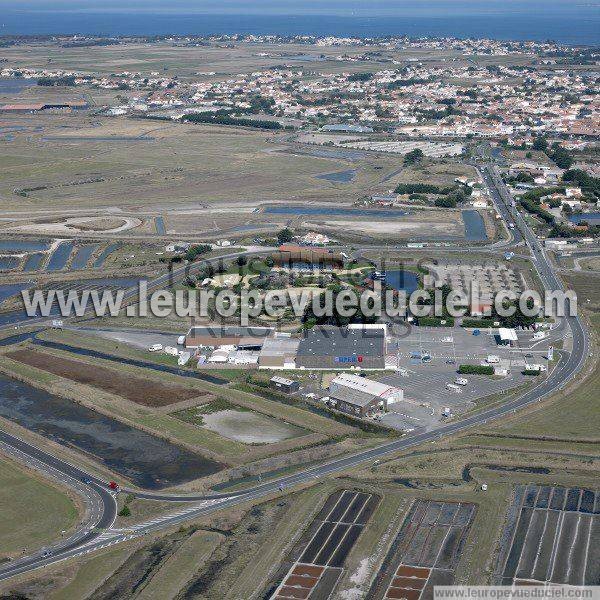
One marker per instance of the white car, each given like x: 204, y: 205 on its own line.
x: 155, y: 348
x: 181, y: 340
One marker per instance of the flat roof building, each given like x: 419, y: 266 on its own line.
x: 278, y: 353
x: 289, y: 386
x: 216, y: 335
x: 334, y: 348
x: 355, y: 402
x: 507, y: 336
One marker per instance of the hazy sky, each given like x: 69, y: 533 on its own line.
x: 330, y: 7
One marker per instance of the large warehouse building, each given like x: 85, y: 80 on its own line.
x: 241, y: 337
x: 333, y: 348
x: 360, y: 396
x: 278, y: 352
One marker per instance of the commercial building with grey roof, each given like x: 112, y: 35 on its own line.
x: 334, y: 348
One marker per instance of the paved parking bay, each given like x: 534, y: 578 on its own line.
x: 426, y: 394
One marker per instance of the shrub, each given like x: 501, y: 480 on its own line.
x: 421, y: 188
x: 476, y: 370
x: 477, y: 323
x: 436, y: 321
x: 219, y: 118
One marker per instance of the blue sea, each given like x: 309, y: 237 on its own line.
x: 577, y: 25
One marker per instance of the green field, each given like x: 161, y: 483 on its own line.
x: 33, y: 511
x: 572, y: 415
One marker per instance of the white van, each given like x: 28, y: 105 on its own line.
x: 461, y: 381
x: 181, y: 340
x: 155, y: 348
x: 539, y: 368
x: 492, y: 359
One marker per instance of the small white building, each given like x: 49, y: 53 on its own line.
x: 573, y: 192
x: 314, y: 239
x: 574, y: 204
x: 177, y: 247
x: 555, y: 244
x: 507, y: 336
x: 479, y: 204
x: 220, y: 355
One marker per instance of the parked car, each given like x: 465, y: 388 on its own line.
x: 155, y: 348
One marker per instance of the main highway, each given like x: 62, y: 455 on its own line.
x: 99, y: 533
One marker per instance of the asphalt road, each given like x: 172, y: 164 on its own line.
x: 88, y: 541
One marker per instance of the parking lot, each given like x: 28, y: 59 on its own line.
x: 136, y: 338
x: 430, y: 391
x: 425, y: 383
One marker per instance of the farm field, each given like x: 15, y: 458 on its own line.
x: 247, y: 434
x: 138, y: 390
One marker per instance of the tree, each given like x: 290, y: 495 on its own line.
x: 524, y: 178
x: 518, y: 319
x: 196, y: 250
x: 540, y: 143
x: 125, y: 511
x: 414, y: 156
x: 310, y: 319
x: 561, y: 157
x: 586, y: 182
x: 446, y: 202
x: 285, y: 236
